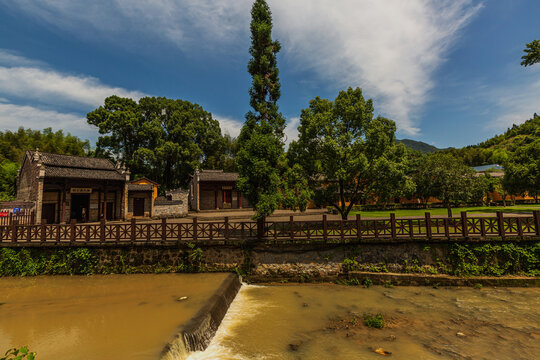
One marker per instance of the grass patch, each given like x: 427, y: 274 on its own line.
x: 374, y: 321
x: 455, y: 211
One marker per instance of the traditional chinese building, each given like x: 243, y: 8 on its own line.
x: 65, y: 187
x: 215, y: 190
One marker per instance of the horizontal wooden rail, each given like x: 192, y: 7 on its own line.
x: 358, y: 229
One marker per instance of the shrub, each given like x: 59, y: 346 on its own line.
x: 374, y: 321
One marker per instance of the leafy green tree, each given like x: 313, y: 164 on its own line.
x: 13, y: 145
x: 522, y: 171
x: 261, y: 139
x: 343, y: 151
x: 163, y: 139
x: 8, y: 173
x: 532, y: 53
x: 448, y: 179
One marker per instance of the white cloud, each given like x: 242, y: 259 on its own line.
x: 14, y: 116
x: 49, y: 86
x: 229, y: 125
x: 389, y: 48
x: 291, y: 130
x: 515, y: 104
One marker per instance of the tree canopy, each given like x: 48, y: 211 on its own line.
x: 261, y: 139
x: 346, y: 153
x: 532, y: 53
x: 14, y: 144
x: 522, y: 171
x: 160, y: 138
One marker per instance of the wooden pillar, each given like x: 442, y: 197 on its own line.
x: 537, y: 221
x: 163, y: 229
x: 216, y: 197
x: 133, y: 228
x: 105, y: 202
x: 325, y: 228
x: 393, y: 225
x: 428, y: 225
x: 226, y: 228
x: 195, y: 229
x: 63, y: 214
x: 239, y: 194
x: 358, y: 227
x: 464, y: 224
x: 500, y: 223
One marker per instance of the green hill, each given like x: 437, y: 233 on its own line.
x: 418, y: 145
x: 497, y: 149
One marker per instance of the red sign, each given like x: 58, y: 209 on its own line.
x: 4, y: 213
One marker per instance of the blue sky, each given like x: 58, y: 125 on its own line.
x: 447, y: 72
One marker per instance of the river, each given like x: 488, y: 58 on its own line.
x: 134, y: 316
x: 326, y: 322
x: 99, y: 317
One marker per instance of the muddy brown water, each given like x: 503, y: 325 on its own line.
x: 325, y: 322
x: 99, y: 317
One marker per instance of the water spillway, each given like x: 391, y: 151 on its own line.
x: 197, y: 333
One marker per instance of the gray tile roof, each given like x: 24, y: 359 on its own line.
x: 72, y: 161
x: 75, y: 173
x: 77, y: 167
x: 140, y: 187
x: 217, y: 175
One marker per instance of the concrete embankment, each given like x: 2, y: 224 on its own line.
x: 197, y: 333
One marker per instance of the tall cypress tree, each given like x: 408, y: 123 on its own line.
x: 261, y: 138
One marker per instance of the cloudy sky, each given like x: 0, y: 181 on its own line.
x: 447, y: 72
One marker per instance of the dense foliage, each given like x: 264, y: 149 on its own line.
x: 162, y: 139
x: 261, y: 139
x: 499, y: 148
x: 13, y: 146
x: 532, y: 53
x: 347, y: 154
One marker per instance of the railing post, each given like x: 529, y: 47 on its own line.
x: 32, y: 217
x: 446, y: 227
x: 464, y: 224
x: 393, y: 225
x: 102, y: 230
x: 226, y: 228
x: 482, y: 227
x: 13, y: 231
x: 500, y: 222
x: 411, y: 229
x: 10, y: 221
x: 375, y: 229
x: 291, y: 227
x: 43, y: 230
x: 519, y: 226
x: 72, y: 230
x: 133, y: 229
x: 164, y: 229
x: 325, y: 228
x: 537, y: 221
x: 428, y: 225
x: 195, y: 229
x: 358, y: 227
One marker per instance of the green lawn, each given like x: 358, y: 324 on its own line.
x: 455, y: 211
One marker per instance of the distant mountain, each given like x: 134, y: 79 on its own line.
x: 418, y: 145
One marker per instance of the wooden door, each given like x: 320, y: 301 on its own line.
x: 110, y: 211
x: 138, y: 207
x: 48, y: 212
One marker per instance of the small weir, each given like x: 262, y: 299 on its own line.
x: 196, y: 334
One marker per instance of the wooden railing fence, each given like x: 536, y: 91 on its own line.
x: 358, y: 229
x: 22, y: 218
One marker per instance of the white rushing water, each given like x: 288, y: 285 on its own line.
x: 242, y: 310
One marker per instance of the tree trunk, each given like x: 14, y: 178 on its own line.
x: 343, y: 216
x: 449, y: 208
